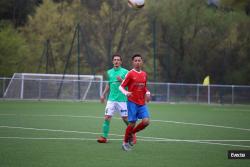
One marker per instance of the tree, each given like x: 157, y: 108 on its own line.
x: 114, y: 28
x: 242, y: 5
x: 196, y: 41
x: 16, y: 11
x: 192, y: 39
x: 13, y: 51
x: 180, y: 23
x: 54, y: 22
x: 106, y: 30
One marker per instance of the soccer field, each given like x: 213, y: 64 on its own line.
x: 64, y: 134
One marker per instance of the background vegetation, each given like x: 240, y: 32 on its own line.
x: 181, y: 41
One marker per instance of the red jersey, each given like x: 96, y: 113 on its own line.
x: 137, y: 84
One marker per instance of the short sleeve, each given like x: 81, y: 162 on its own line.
x: 126, y: 80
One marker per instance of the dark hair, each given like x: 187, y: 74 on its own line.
x: 116, y: 55
x: 136, y: 55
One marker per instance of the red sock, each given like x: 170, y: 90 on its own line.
x: 139, y: 127
x: 128, y: 133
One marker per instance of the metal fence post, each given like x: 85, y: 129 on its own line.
x: 197, y: 93
x: 232, y: 94
x: 39, y: 89
x: 22, y: 87
x: 3, y: 88
x: 168, y: 94
x: 208, y: 94
x: 101, y: 85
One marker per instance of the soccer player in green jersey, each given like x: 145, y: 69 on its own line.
x: 117, y: 101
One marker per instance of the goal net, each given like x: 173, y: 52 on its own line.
x: 54, y: 86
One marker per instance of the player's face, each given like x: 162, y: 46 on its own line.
x: 117, y: 61
x: 137, y: 62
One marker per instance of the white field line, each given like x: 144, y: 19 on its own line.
x: 50, y: 130
x: 231, y: 109
x: 163, y: 121
x: 145, y: 140
x: 141, y: 138
x: 46, y: 138
x: 8, y: 114
x: 206, y: 125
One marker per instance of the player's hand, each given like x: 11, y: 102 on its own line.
x: 102, y: 99
x: 147, y: 97
x: 119, y: 78
x: 129, y: 94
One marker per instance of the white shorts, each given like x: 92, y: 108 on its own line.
x: 114, y: 106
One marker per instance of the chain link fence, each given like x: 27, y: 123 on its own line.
x: 48, y: 89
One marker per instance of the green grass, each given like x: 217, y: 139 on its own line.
x: 78, y: 125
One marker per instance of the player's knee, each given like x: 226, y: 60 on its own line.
x: 107, y: 117
x: 132, y: 124
x: 124, y: 118
x: 146, y: 122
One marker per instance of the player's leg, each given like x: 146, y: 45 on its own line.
x: 123, y: 111
x: 105, y: 129
x: 126, y: 145
x: 142, y: 125
x: 109, y: 112
x: 144, y: 115
x: 132, y: 118
x: 125, y: 120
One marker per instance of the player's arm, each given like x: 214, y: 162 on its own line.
x: 147, y: 94
x: 147, y: 91
x: 124, y: 84
x: 104, y: 93
x: 119, y: 78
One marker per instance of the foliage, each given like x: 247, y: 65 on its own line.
x: 17, y: 10
x: 192, y: 39
x: 240, y: 5
x: 110, y: 30
x: 196, y: 41
x: 54, y: 22
x: 13, y: 51
x: 114, y: 29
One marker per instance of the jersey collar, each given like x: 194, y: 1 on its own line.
x: 136, y: 71
x: 116, y: 69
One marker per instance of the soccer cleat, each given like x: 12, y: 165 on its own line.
x: 126, y: 147
x: 102, y: 140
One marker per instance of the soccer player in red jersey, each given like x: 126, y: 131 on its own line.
x: 137, y: 93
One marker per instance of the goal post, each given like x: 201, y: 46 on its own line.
x: 46, y: 86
